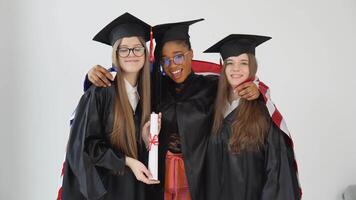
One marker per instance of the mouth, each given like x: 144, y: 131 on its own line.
x: 236, y: 76
x: 177, y: 73
x: 131, y: 61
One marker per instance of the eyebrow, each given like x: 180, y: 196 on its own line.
x: 135, y: 45
x: 175, y: 52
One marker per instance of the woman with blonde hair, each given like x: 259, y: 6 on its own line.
x: 107, y: 153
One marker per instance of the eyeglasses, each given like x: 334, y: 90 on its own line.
x: 177, y: 59
x: 125, y: 52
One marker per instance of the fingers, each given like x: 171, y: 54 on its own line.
x: 253, y: 97
x: 243, y: 86
x: 248, y: 96
x: 146, y: 172
x: 153, y: 182
x: 145, y: 129
x: 147, y: 125
x: 148, y: 181
x: 148, y: 177
x: 103, y: 78
x: 159, y: 122
x: 145, y: 176
x: 106, y: 73
x: 142, y: 173
x: 99, y: 76
x: 159, y: 117
x: 93, y: 78
x: 248, y: 91
x: 143, y: 179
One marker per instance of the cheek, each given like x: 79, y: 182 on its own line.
x: 142, y: 62
x: 121, y: 63
x: 227, y: 71
x: 247, y: 72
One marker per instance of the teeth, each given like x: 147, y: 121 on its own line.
x: 176, y: 72
x: 236, y: 76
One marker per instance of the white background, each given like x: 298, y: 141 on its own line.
x: 46, y: 49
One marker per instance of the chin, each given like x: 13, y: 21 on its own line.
x: 234, y: 84
x: 133, y: 69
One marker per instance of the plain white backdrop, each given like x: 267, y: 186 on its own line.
x: 46, y: 49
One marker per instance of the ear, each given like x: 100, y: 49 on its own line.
x: 192, y: 54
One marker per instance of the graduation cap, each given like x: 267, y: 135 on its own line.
x: 125, y: 25
x: 237, y: 44
x: 172, y: 31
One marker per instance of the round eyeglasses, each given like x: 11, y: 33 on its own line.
x: 177, y: 59
x: 125, y: 52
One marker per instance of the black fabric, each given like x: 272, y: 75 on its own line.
x: 192, y: 111
x: 172, y: 31
x: 94, y: 169
x: 126, y: 25
x: 267, y: 174
x: 236, y: 44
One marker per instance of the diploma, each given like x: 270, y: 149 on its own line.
x: 153, y: 147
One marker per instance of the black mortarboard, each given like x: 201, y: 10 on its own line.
x: 236, y: 44
x: 172, y: 31
x: 125, y: 25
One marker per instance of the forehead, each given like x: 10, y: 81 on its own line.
x: 130, y: 41
x: 241, y: 57
x: 172, y: 47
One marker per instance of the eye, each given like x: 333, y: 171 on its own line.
x: 139, y: 49
x: 123, y: 50
x: 229, y: 63
x: 244, y: 63
x: 165, y: 62
x: 178, y: 59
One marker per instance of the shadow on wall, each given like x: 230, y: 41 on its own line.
x: 350, y: 193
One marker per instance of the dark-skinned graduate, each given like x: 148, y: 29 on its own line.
x: 186, y: 101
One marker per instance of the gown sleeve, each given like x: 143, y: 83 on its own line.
x: 89, y: 147
x: 281, y: 175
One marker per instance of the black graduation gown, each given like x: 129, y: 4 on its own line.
x: 93, y: 168
x: 191, y: 112
x: 267, y: 174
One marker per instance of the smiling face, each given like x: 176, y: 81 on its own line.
x: 237, y: 69
x: 177, y: 60
x: 131, y: 53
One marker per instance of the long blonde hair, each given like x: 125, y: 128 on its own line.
x: 123, y: 136
x: 250, y: 123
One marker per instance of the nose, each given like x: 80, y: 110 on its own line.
x: 131, y: 53
x: 236, y: 68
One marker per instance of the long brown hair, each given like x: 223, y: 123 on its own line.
x: 250, y: 122
x: 123, y: 136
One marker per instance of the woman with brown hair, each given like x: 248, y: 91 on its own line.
x: 107, y: 153
x: 249, y: 157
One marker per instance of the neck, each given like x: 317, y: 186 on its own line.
x: 131, y: 78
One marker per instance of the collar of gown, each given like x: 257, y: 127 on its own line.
x: 132, y: 94
x: 231, y: 107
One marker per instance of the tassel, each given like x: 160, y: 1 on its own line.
x: 152, y: 58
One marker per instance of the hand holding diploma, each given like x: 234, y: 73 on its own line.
x: 150, y: 134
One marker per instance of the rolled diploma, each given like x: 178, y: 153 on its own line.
x: 153, y: 150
